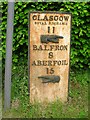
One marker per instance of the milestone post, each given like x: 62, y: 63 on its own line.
x: 49, y: 53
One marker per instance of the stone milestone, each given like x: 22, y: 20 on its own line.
x: 49, y: 53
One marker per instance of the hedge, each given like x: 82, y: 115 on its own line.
x: 80, y: 36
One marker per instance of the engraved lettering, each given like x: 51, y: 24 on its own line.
x: 34, y: 17
x: 50, y: 55
x: 66, y: 18
x: 50, y: 18
x: 56, y: 18
x: 49, y: 63
x: 34, y: 47
x: 50, y: 47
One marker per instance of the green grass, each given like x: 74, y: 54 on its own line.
x: 76, y: 107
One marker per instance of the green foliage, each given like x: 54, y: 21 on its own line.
x: 20, y: 82
x: 80, y: 38
x: 81, y: 76
x: 80, y: 58
x: 75, y: 107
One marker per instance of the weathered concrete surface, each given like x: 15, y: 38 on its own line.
x: 41, y: 52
